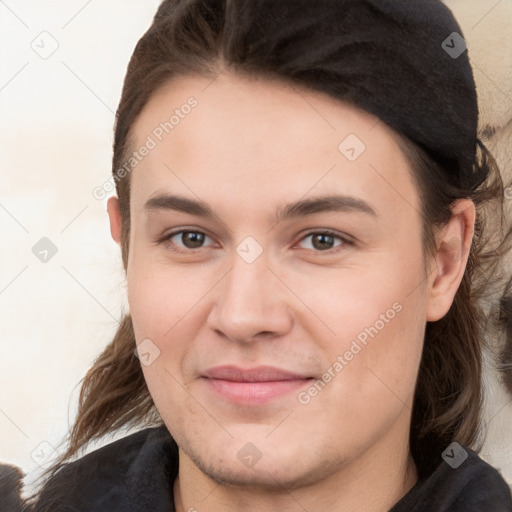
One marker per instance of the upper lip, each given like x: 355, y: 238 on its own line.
x: 256, y: 374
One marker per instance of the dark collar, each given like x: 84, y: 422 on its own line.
x: 137, y: 474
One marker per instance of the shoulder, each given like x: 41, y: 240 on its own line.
x: 473, y: 485
x: 462, y: 482
x: 99, y: 480
x: 110, y: 461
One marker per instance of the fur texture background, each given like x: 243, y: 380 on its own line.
x: 487, y: 29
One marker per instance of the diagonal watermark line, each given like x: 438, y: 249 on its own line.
x: 313, y: 107
x: 423, y: 279
x: 14, y: 76
x: 301, y: 300
x: 74, y: 218
x: 288, y: 492
x: 492, y: 82
x: 375, y: 124
x: 2, y: 2
x: 311, y: 188
x: 499, y: 411
x: 214, y: 78
x: 220, y: 220
x: 486, y: 14
x: 304, y: 195
x: 210, y: 493
x: 406, y: 405
x: 434, y: 268
x: 280, y: 423
x: 13, y: 279
x: 87, y: 86
x: 76, y: 14
x: 200, y: 299
x: 395, y: 189
x: 14, y: 218
x: 204, y: 408
x: 14, y: 423
x: 90, y: 294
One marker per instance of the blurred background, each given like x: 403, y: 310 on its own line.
x: 62, y: 64
x: 62, y: 287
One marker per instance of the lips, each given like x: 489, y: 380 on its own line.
x: 252, y: 386
x: 258, y: 374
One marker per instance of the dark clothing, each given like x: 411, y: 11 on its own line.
x: 11, y: 486
x: 136, y: 474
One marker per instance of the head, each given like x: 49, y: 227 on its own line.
x: 275, y: 218
x: 346, y: 310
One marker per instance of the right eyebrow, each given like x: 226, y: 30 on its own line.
x: 180, y: 204
x: 328, y: 203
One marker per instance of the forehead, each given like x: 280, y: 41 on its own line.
x: 258, y: 142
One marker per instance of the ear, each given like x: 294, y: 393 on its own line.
x: 114, y: 214
x: 453, y: 247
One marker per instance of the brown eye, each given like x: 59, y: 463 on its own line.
x: 324, y: 241
x: 186, y: 239
x: 192, y: 240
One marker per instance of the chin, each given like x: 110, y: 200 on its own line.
x: 272, y: 473
x: 260, y: 461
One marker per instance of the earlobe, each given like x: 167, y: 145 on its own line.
x: 453, y: 247
x: 114, y: 214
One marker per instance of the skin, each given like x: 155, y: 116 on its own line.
x: 247, y: 149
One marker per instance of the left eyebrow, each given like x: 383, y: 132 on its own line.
x: 302, y: 208
x: 330, y: 203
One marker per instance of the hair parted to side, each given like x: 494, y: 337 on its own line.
x: 202, y: 37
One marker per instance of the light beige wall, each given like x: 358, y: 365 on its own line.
x: 56, y: 122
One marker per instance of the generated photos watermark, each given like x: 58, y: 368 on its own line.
x: 357, y: 345
x: 151, y: 142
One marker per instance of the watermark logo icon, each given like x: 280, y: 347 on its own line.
x: 147, y: 352
x: 352, y: 147
x: 249, y: 249
x: 43, y: 454
x: 249, y: 455
x: 455, y: 455
x: 45, y: 45
x: 44, y: 250
x: 454, y: 45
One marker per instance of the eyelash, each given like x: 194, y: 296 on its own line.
x: 345, y: 241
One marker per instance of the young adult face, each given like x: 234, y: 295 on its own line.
x: 247, y: 288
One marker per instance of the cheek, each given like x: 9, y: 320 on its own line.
x: 167, y: 306
x: 377, y: 315
x: 162, y: 302
x: 376, y: 293
x: 372, y: 377
x: 159, y: 295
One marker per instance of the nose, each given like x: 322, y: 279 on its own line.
x: 250, y: 303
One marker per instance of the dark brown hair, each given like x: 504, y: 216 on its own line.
x: 192, y: 38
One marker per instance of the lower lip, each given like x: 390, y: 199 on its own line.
x: 254, y: 393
